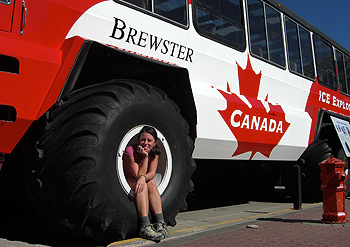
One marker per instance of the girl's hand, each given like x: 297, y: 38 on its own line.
x: 140, y: 184
x: 141, y: 151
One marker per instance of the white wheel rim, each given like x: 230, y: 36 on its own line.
x: 164, y: 169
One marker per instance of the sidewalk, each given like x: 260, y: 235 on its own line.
x: 253, y: 224
x: 295, y: 228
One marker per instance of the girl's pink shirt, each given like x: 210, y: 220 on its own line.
x: 131, y: 151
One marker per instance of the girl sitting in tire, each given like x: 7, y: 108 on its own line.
x: 140, y: 165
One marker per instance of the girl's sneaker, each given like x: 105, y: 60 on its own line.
x: 147, y: 232
x: 162, y: 228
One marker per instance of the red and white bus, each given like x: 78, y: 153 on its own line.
x: 229, y: 84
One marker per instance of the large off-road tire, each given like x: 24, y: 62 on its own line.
x: 78, y: 182
x: 317, y: 152
x: 340, y: 154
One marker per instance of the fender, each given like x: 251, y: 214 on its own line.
x: 40, y: 57
x: 97, y: 63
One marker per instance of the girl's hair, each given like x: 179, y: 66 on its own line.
x: 150, y: 130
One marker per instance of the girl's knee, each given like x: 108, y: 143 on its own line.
x: 152, y: 186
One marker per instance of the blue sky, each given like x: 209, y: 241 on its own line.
x: 330, y: 16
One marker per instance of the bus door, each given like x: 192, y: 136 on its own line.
x: 6, y: 14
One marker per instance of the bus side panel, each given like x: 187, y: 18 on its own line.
x: 213, y: 68
x: 26, y: 90
x: 34, y: 84
x: 6, y: 14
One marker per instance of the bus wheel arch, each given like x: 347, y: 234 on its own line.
x: 327, y: 131
x: 98, y: 63
x: 316, y: 152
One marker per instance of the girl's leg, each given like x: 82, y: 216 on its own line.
x: 142, y: 206
x: 156, y: 207
x: 154, y: 197
x: 142, y: 202
x: 141, y: 199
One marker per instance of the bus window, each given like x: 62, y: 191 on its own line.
x: 293, y: 46
x: 222, y: 21
x: 325, y: 64
x: 306, y: 53
x: 347, y: 73
x: 211, y: 4
x: 172, y: 9
x: 257, y: 31
x: 231, y: 10
x: 275, y: 40
x: 145, y: 4
x: 268, y: 46
x: 299, y: 50
x: 341, y: 72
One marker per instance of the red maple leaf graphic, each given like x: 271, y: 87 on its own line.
x: 257, y: 125
x: 249, y: 82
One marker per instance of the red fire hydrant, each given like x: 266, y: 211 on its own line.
x: 333, y: 177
